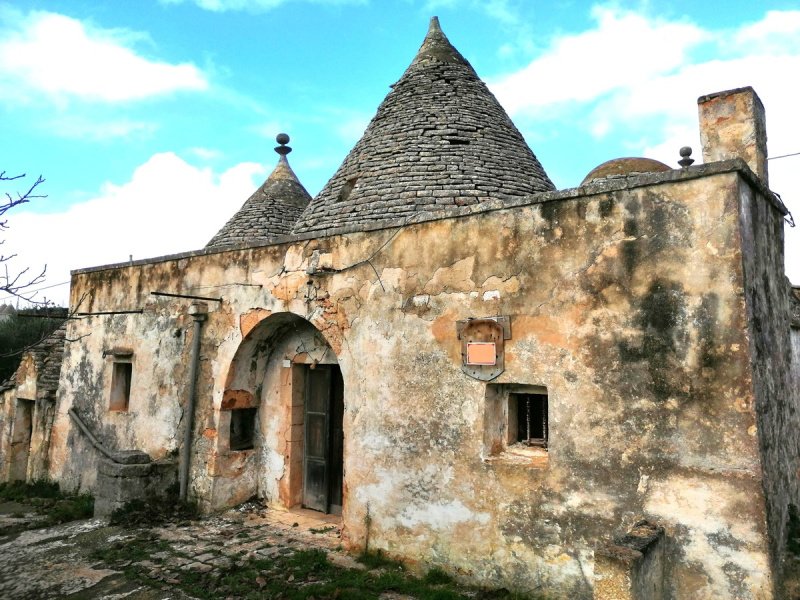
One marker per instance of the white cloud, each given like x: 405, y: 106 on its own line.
x: 83, y: 128
x: 43, y: 53
x: 168, y: 206
x: 775, y: 33
x: 253, y: 5
x: 639, y: 77
x: 624, y: 49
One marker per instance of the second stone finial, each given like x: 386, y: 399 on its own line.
x: 282, y: 139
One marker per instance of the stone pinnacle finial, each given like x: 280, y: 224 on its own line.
x: 437, y: 47
x: 686, y: 160
x: 282, y: 139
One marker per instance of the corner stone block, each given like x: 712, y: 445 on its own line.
x: 632, y: 567
x: 733, y: 125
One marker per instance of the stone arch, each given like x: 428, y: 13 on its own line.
x: 263, y: 417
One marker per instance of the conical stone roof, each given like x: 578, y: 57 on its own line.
x: 439, y: 139
x: 271, y: 211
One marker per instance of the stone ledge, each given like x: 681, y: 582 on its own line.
x: 131, y: 457
x: 113, y: 469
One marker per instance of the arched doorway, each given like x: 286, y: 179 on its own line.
x: 283, y: 411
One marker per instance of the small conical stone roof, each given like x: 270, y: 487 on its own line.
x: 439, y: 139
x: 271, y: 211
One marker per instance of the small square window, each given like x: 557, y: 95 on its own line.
x: 243, y: 428
x: 120, y: 386
x: 516, y: 424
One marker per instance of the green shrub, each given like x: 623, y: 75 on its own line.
x: 71, y: 508
x: 20, y: 491
x: 437, y: 577
x: 47, y: 498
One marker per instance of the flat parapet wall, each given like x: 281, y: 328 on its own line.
x: 610, y: 185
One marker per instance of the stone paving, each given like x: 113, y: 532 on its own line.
x: 56, y: 562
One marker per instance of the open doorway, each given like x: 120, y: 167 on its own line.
x: 323, y: 438
x: 21, y: 435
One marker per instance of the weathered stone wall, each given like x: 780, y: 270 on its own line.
x: 625, y: 304
x: 159, y: 342
x: 27, y: 410
x: 769, y: 317
x: 8, y: 400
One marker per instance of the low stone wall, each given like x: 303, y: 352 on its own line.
x: 632, y: 567
x: 119, y: 483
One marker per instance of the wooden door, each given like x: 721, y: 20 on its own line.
x: 323, y: 439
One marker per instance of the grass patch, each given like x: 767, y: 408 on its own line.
x: 47, y: 499
x: 378, y: 560
x: 322, y: 529
x: 437, y: 577
x: 300, y: 575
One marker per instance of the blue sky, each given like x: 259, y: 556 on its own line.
x: 152, y: 121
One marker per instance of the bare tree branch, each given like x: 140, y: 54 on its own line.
x: 21, y: 197
x: 19, y: 284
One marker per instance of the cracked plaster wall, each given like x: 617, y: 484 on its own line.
x: 627, y: 305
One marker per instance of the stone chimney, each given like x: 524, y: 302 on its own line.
x: 732, y: 125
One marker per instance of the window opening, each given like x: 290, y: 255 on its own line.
x: 347, y: 188
x: 243, y: 428
x: 121, y: 386
x: 531, y: 418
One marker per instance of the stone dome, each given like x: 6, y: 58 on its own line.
x: 620, y: 167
